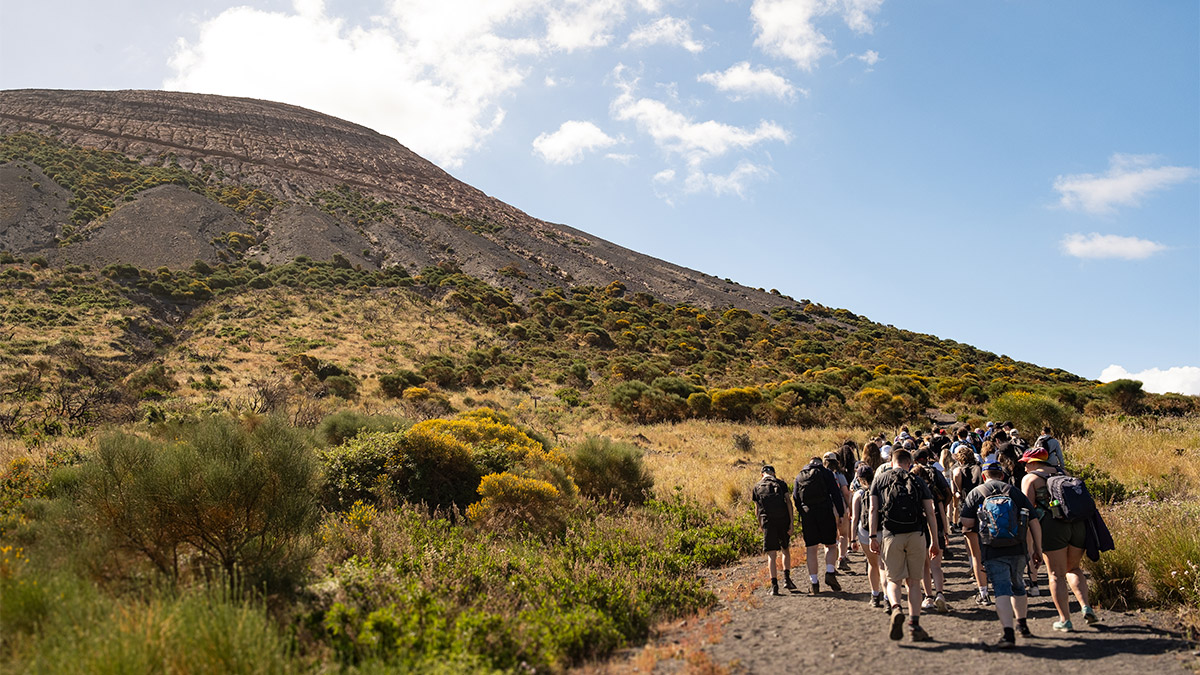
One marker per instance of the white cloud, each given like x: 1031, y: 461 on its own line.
x: 678, y: 134
x: 434, y: 74
x: 620, y: 158
x: 741, y: 80
x: 578, y: 24
x: 869, y: 57
x: 787, y: 28
x: 1129, y: 178
x: 664, y: 176
x: 665, y: 30
x: 1178, y: 380
x: 573, y: 138
x: 734, y: 182
x: 1097, y: 245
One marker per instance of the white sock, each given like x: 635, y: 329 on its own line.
x: 982, y: 591
x: 830, y: 569
x: 876, y: 594
x: 812, y: 578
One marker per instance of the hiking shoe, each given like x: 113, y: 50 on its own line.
x: 1089, y: 615
x: 774, y: 588
x: 832, y: 582
x: 816, y: 588
x: 1004, y: 643
x: 1033, y: 590
x: 1063, y: 626
x: 919, y: 634
x: 877, y: 601
x: 940, y: 604
x: 787, y: 583
x: 897, y: 630
x: 844, y: 564
x: 927, y: 603
x: 983, y: 600
x: 1023, y: 630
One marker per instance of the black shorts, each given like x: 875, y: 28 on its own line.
x: 776, y: 537
x: 820, y: 526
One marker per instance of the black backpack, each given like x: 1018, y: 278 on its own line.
x: 810, y: 486
x: 902, y: 506
x: 1069, y: 498
x: 771, y: 494
x: 969, y: 477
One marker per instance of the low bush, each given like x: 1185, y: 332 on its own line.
x: 509, y: 502
x: 606, y: 469
x: 221, y: 498
x: 341, y: 426
x: 1030, y: 412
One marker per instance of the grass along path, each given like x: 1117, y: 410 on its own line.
x: 751, y: 632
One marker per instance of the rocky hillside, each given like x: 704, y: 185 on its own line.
x: 319, y: 185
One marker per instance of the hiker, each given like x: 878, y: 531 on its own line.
x: 965, y: 477
x: 819, y: 502
x: 847, y: 456
x: 1053, y: 448
x: 871, y: 455
x: 843, y: 524
x: 775, y: 516
x: 860, y: 510
x: 1063, y: 541
x: 964, y: 438
x: 991, y: 429
x: 1000, y: 513
x: 933, y: 579
x: 901, y: 512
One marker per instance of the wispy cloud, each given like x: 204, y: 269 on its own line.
x: 678, y: 134
x: 1129, y: 178
x: 666, y: 30
x: 740, y: 80
x: 787, y: 28
x: 869, y: 57
x: 735, y: 182
x: 573, y: 138
x: 1097, y: 245
x: 1178, y: 379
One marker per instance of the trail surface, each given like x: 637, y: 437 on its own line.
x: 751, y: 632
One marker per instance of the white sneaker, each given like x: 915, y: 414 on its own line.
x: 1033, y: 591
x: 928, y: 604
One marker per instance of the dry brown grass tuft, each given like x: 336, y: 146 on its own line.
x: 1140, y: 451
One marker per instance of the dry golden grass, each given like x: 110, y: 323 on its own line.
x: 1135, y: 452
x: 699, y: 455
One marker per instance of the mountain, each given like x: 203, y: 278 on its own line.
x: 330, y: 187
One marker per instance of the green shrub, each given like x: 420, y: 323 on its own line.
x: 342, y: 386
x: 394, y: 384
x: 239, y: 502
x: 1030, y: 412
x: 341, y: 426
x: 606, y: 469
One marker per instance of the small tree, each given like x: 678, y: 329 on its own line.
x: 603, y: 468
x: 1030, y: 412
x: 1126, y: 394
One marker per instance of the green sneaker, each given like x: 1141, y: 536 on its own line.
x: 1089, y: 615
x: 1063, y: 626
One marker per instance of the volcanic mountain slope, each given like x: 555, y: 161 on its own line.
x: 416, y: 215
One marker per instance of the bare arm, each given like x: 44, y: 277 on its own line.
x: 931, y: 520
x: 873, y: 528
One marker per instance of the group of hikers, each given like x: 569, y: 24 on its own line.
x: 899, y: 501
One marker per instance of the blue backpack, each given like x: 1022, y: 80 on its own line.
x: 1000, y: 524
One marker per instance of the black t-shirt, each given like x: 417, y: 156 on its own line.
x: 879, y: 486
x: 972, y: 502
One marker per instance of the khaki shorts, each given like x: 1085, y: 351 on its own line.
x: 904, y: 556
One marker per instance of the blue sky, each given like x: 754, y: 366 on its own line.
x: 1022, y: 176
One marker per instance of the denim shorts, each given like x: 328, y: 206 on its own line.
x: 1006, y: 574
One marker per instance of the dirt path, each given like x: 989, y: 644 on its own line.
x: 751, y: 632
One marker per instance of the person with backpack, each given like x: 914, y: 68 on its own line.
x: 1001, y: 514
x: 964, y: 478
x: 860, y: 509
x: 933, y: 579
x: 901, y: 512
x: 1063, y: 507
x: 1053, y: 448
x: 819, y: 502
x: 843, y: 524
x: 774, y: 511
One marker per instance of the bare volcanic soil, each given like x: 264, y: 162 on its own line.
x: 751, y: 632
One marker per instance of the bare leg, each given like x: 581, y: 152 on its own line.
x: 873, y: 572
x: 771, y: 563
x: 1004, y: 609
x: 939, y: 577
x: 914, y: 596
x: 811, y: 559
x: 787, y: 558
x: 1056, y: 569
x: 1075, y: 577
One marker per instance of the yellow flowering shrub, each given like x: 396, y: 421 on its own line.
x: 510, y: 500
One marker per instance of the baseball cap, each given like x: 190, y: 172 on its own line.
x: 1038, y: 454
x: 993, y: 466
x: 865, y: 471
x: 767, y: 468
